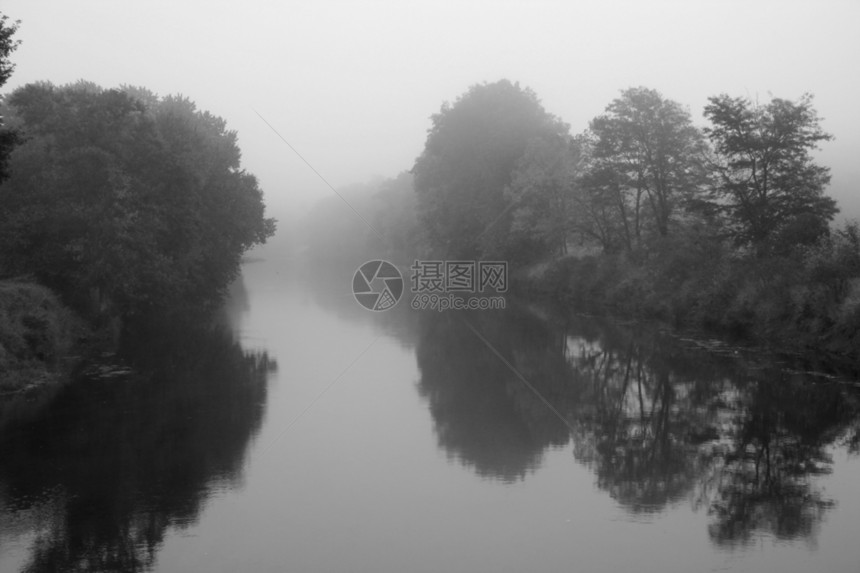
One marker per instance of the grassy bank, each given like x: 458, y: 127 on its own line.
x: 37, y: 335
x: 805, y: 300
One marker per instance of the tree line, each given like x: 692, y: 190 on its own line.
x: 501, y: 176
x: 124, y: 201
x: 644, y: 212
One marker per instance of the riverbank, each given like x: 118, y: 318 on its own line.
x: 802, y: 303
x: 40, y: 338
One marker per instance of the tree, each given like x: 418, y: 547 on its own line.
x: 74, y: 195
x: 605, y: 211
x: 122, y: 206
x: 395, y: 218
x: 8, y: 138
x: 769, y: 186
x: 651, y: 145
x: 471, y: 153
x: 212, y: 209
x: 542, y: 196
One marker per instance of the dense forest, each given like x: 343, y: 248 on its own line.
x: 124, y: 204
x: 644, y: 213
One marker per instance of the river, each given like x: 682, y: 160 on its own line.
x: 308, y: 434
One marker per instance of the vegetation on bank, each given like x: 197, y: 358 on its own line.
x: 501, y: 177
x: 125, y: 204
x: 644, y: 213
x: 8, y: 44
x: 805, y: 300
x: 37, y: 333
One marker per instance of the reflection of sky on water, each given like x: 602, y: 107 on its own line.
x: 399, y: 441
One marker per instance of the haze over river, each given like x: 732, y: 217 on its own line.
x: 311, y: 435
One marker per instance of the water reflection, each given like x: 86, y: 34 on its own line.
x: 651, y: 413
x: 118, y: 458
x: 484, y: 416
x: 779, y: 438
x: 657, y: 420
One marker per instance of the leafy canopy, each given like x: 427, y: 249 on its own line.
x: 769, y: 185
x: 652, y: 146
x: 8, y: 138
x: 469, y: 158
x: 125, y: 202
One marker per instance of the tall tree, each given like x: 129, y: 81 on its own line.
x: 606, y: 211
x: 655, y: 152
x: 122, y: 205
x: 8, y: 138
x: 769, y: 186
x: 472, y: 150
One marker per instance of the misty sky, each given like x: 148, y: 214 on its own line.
x: 351, y: 85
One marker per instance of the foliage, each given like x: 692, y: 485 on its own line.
x: 124, y: 205
x: 7, y: 46
x: 541, y: 195
x: 8, y: 138
x: 770, y: 189
x: 471, y: 153
x: 809, y: 298
x: 396, y: 219
x: 654, y: 152
x: 601, y: 210
x: 500, y: 177
x: 36, y: 331
x: 660, y: 204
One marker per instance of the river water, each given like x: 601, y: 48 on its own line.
x: 308, y: 434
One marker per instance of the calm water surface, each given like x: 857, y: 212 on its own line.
x: 311, y: 435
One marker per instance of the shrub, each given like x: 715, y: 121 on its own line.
x: 36, y: 334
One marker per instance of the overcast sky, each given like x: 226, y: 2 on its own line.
x: 351, y: 85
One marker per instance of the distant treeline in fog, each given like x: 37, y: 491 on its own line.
x: 643, y: 212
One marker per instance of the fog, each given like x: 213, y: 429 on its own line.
x: 351, y: 85
x: 464, y: 405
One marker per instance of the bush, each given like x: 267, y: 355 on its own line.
x: 807, y: 298
x: 36, y: 334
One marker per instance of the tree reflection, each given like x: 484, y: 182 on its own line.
x: 484, y: 415
x: 739, y: 435
x: 783, y: 426
x: 119, y: 458
x: 649, y: 411
x: 657, y: 419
